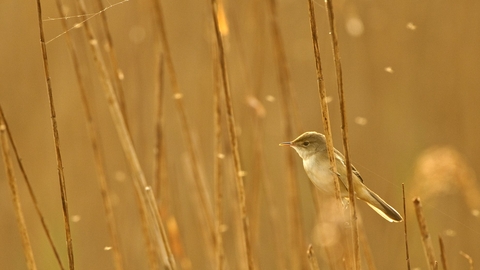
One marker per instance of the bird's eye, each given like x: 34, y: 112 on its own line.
x: 306, y: 143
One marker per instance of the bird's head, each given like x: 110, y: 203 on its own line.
x: 307, y: 144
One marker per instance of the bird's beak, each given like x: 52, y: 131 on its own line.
x: 286, y: 143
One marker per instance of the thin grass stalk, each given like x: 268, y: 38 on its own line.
x: 283, y: 69
x: 469, y: 259
x: 22, y: 226
x: 30, y: 191
x: 426, y: 239
x: 257, y: 173
x: 159, y: 179
x: 139, y: 180
x: 218, y: 157
x: 263, y: 184
x: 114, y: 107
x: 118, y: 74
x: 347, y: 247
x: 96, y: 147
x: 151, y: 248
x: 160, y: 185
x: 56, y: 139
x: 233, y: 138
x: 287, y: 101
x: 312, y: 259
x: 158, y: 218
x: 367, y: 251
x: 205, y: 202
x: 343, y: 113
x: 442, y: 253
x: 274, y: 220
x: 252, y: 95
x: 407, y: 255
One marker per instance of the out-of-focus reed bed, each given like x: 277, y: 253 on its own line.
x: 166, y: 118
x: 442, y: 172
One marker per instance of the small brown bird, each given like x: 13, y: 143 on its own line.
x: 311, y: 147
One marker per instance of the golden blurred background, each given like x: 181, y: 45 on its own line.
x: 412, y: 92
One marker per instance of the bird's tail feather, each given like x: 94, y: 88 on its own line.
x: 382, y: 208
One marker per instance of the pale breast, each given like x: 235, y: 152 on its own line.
x: 320, y: 174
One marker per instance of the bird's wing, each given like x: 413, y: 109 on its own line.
x: 354, y: 171
x: 341, y: 159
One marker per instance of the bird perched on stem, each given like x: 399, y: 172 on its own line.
x: 311, y: 147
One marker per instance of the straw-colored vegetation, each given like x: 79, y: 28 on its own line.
x: 144, y: 134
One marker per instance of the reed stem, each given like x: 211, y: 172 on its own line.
x: 233, y: 138
x: 56, y: 140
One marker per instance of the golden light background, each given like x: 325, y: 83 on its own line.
x: 412, y: 86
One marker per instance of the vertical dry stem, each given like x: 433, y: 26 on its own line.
x: 343, y: 113
x: 326, y: 116
x: 233, y: 138
x: 442, y: 253
x: 152, y: 249
x: 95, y: 142
x: 159, y: 222
x: 288, y: 111
x: 323, y: 96
x: 205, y: 203
x: 159, y: 174
x: 118, y: 74
x: 56, y: 137
x: 27, y: 246
x: 426, y: 239
x: 367, y: 252
x: 405, y: 228
x: 140, y: 182
x: 30, y: 191
x: 217, y: 175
